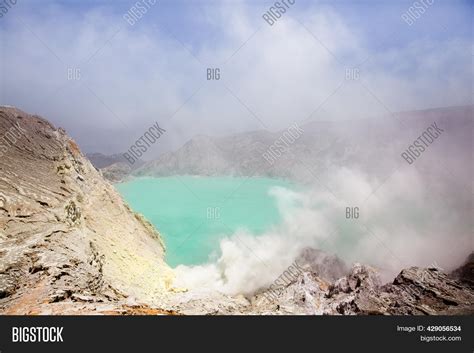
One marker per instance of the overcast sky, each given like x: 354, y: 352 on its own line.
x: 271, y: 76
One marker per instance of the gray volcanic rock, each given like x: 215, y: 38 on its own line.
x: 66, y: 236
x: 415, y: 291
x: 419, y: 291
x: 323, y: 265
x: 304, y: 296
x: 465, y: 273
x: 360, y: 278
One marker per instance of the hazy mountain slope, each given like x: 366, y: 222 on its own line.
x: 67, y: 239
x: 100, y: 160
x: 372, y: 145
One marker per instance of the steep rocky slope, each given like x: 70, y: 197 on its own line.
x: 68, y: 243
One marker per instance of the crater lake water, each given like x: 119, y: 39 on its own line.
x: 194, y: 213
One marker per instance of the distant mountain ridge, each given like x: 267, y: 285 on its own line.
x: 100, y: 160
x: 114, y: 168
x: 321, y: 145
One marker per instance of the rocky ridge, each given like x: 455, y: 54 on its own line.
x: 415, y: 291
x: 66, y: 236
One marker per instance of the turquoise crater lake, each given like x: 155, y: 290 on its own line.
x: 194, y: 213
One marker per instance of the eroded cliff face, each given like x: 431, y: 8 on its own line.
x: 68, y: 242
